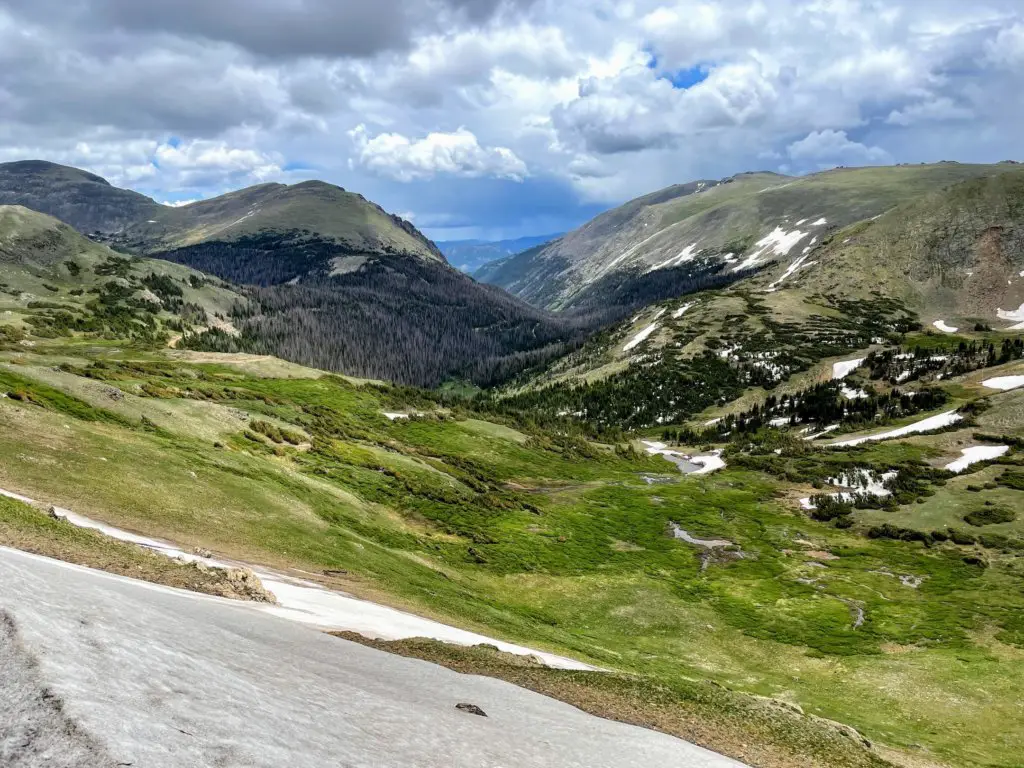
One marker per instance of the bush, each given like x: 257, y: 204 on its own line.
x: 990, y: 516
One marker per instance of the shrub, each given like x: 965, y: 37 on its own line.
x: 990, y: 516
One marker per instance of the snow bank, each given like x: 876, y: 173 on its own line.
x: 853, y: 394
x: 977, y: 453
x: 1016, y: 315
x: 393, y: 416
x: 778, y: 242
x: 308, y: 603
x: 944, y: 327
x: 640, y: 337
x: 822, y: 433
x: 682, y: 310
x: 164, y: 678
x: 688, y: 465
x: 925, y: 425
x: 845, y: 368
x: 1004, y: 382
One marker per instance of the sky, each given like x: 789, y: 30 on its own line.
x: 503, y: 118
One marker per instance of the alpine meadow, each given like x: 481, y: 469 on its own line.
x: 729, y: 473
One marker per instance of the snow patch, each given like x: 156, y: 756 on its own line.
x: 845, y: 368
x: 1016, y: 315
x: 943, y: 326
x: 925, y: 425
x: 308, y: 603
x: 853, y: 394
x: 778, y: 242
x: 1004, y: 382
x: 682, y: 310
x: 640, y: 337
x: 862, y: 481
x: 819, y: 223
x: 976, y: 453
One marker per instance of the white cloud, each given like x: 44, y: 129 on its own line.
x: 825, y: 149
x: 458, y: 154
x: 942, y: 108
x: 574, y: 98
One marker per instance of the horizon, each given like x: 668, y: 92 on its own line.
x: 498, y: 119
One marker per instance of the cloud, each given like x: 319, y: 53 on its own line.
x: 458, y: 154
x: 826, y: 149
x: 592, y: 101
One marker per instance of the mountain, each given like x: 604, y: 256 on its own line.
x: 763, y: 484
x: 946, y: 258
x: 59, y: 283
x: 471, y: 255
x: 331, y: 279
x: 739, y: 223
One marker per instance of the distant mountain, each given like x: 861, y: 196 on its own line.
x: 279, y: 216
x: 333, y: 280
x: 740, y: 223
x: 470, y: 255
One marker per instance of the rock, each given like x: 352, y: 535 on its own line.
x: 247, y: 584
x: 200, y: 552
x: 52, y: 512
x: 846, y: 730
x: 471, y: 709
x: 336, y: 572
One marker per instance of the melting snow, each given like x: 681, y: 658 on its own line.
x: 687, y: 254
x: 799, y: 263
x: 682, y: 310
x: 825, y: 431
x: 845, y: 368
x: 925, y: 425
x: 393, y: 416
x: 853, y: 394
x: 640, y: 337
x: 308, y: 603
x: 1016, y: 315
x: 707, y: 464
x: 977, y: 453
x: 778, y: 242
x: 944, y: 327
x: 820, y: 222
x: 862, y: 481
x: 1004, y: 382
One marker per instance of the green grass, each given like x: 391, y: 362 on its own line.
x: 553, y: 542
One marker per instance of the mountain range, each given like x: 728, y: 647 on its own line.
x: 471, y: 255
x: 738, y: 444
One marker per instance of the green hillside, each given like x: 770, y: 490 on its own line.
x: 745, y: 221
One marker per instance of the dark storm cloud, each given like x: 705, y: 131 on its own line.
x: 274, y: 28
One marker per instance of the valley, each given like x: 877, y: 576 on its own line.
x: 769, y: 499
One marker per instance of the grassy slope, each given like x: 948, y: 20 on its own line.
x: 38, y: 254
x: 590, y: 571
x: 729, y: 217
x: 31, y: 530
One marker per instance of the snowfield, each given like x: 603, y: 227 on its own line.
x: 1004, y: 382
x: 845, y: 368
x: 164, y: 678
x: 682, y: 310
x: 640, y: 337
x: 308, y: 603
x: 943, y: 326
x: 925, y: 425
x: 778, y: 242
x: 977, y: 453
